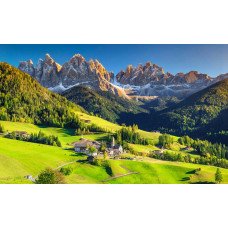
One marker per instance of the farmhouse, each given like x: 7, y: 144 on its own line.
x: 83, y: 145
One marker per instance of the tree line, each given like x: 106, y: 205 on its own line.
x: 37, y: 138
x: 130, y: 135
x: 169, y: 156
x: 205, y: 148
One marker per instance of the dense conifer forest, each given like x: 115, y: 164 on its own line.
x: 104, y: 104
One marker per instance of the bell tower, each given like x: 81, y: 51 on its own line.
x: 113, y: 142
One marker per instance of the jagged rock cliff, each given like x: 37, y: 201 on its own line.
x: 150, y: 80
x: 142, y: 81
x: 76, y: 71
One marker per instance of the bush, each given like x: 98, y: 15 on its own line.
x: 50, y: 176
x: 66, y: 171
x: 97, y: 162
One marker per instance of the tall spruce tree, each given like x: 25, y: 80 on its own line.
x: 218, y: 176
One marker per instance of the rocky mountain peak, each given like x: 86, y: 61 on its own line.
x: 30, y: 63
x: 140, y: 67
x: 78, y: 59
x: 128, y: 70
x: 148, y: 64
x: 73, y: 72
x: 180, y: 74
x: 48, y: 59
x: 27, y: 67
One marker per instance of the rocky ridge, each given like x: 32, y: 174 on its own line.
x: 76, y: 71
x: 143, y: 81
x: 151, y: 80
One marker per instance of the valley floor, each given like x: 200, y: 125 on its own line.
x: 19, y: 158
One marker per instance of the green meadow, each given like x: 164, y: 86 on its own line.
x: 19, y: 158
x: 66, y: 136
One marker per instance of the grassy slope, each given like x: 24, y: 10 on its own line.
x: 65, y: 135
x: 114, y: 127
x: 143, y: 148
x: 150, y: 171
x: 163, y: 172
x: 18, y: 159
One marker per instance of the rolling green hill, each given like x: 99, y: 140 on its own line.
x: 18, y: 159
x: 104, y: 104
x: 23, y: 99
x: 65, y: 135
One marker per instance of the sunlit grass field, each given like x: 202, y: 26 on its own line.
x: 18, y: 159
x: 66, y: 136
x: 143, y: 148
x: 164, y: 172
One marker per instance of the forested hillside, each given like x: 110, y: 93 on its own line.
x: 201, y: 113
x: 23, y: 99
x: 103, y: 103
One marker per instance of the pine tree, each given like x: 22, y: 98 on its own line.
x: 218, y: 176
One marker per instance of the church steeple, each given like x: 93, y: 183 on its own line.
x: 113, y: 142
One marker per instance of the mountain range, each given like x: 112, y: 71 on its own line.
x: 148, y: 81
x: 76, y: 71
x: 202, y: 114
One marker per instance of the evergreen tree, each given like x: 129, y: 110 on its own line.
x: 218, y: 176
x: 2, y: 130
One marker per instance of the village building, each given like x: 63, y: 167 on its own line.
x: 20, y: 133
x: 85, y: 121
x: 28, y: 177
x: 158, y: 152
x: 83, y: 146
x: 115, y: 150
x: 24, y: 134
x: 90, y: 158
x: 187, y: 148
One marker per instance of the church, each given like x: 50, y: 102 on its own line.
x: 115, y: 149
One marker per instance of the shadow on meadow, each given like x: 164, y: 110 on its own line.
x: 66, y: 132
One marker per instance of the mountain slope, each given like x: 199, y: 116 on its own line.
x: 202, y: 112
x: 103, y: 103
x: 23, y: 99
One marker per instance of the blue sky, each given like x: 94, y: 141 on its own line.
x: 210, y: 59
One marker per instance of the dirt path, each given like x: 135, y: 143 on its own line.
x: 34, y: 179
x: 123, y: 175
x: 122, y: 166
